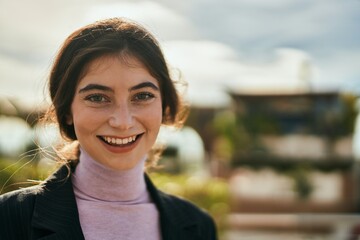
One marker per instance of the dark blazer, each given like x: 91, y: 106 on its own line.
x: 49, y: 212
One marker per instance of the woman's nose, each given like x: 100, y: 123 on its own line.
x: 121, y: 117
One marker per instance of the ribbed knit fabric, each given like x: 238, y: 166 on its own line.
x: 114, y: 204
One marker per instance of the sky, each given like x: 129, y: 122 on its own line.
x: 217, y: 46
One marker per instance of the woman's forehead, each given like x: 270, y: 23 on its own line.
x: 102, y: 62
x: 112, y: 70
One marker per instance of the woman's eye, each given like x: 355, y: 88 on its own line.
x: 143, y: 96
x: 96, y: 98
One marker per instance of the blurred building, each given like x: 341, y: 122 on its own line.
x: 296, y: 146
x: 306, y: 126
x: 356, y: 138
x: 286, y: 156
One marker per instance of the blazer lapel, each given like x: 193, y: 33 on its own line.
x: 175, y: 223
x: 55, y: 211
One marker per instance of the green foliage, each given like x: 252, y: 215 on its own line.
x: 211, y: 194
x: 231, y: 135
x: 302, y: 184
x: 260, y: 123
x: 15, y: 174
x: 350, y: 112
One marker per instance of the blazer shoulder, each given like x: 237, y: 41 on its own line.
x: 183, y: 207
x: 184, y: 212
x: 20, y: 196
x: 18, y: 202
x: 179, y: 213
x: 16, y: 210
x: 25, y: 197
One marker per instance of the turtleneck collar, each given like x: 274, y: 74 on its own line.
x: 95, y: 182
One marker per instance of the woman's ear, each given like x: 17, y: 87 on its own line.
x: 69, y: 119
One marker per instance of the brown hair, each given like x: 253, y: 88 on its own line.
x: 106, y: 37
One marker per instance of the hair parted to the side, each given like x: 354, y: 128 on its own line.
x: 114, y: 36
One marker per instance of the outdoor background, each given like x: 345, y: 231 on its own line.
x: 272, y: 145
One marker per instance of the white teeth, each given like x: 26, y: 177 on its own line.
x: 119, y: 141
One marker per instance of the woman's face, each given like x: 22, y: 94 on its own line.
x: 116, y: 111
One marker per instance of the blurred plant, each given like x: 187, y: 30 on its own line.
x: 302, y: 185
x: 15, y: 174
x: 232, y: 136
x: 210, y: 194
x: 349, y: 114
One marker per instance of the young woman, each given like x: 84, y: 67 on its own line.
x: 111, y: 91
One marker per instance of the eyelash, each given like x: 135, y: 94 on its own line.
x: 143, y: 96
x: 92, y: 99
x: 139, y: 97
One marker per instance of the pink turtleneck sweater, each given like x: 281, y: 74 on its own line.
x: 114, y: 204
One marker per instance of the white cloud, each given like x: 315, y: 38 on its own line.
x: 291, y: 71
x: 211, y: 69
x: 206, y: 66
x: 32, y: 32
x: 338, y: 70
x: 243, y: 37
x: 164, y: 22
x: 22, y: 81
x: 322, y: 28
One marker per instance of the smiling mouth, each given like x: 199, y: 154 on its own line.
x: 113, y: 141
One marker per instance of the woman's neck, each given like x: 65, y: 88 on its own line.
x: 95, y: 182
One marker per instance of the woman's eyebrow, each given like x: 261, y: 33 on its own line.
x: 144, y: 85
x: 108, y: 89
x: 95, y: 87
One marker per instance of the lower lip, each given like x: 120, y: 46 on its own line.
x: 121, y: 149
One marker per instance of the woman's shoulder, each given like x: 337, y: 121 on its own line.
x: 28, y: 194
x: 24, y: 198
x: 16, y: 212
x: 19, y: 197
